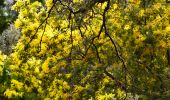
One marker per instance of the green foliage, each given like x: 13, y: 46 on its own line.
x: 9, y: 39
x: 3, y: 22
x: 110, y: 49
x: 7, y: 16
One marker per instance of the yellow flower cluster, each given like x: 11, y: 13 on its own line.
x: 52, y: 62
x: 10, y: 93
x: 16, y: 84
x: 2, y: 59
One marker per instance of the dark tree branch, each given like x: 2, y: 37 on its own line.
x: 116, y: 49
x: 42, y: 36
x: 97, y: 53
x: 117, y: 83
x: 32, y: 37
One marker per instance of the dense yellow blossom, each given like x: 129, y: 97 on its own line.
x: 45, y: 66
x: 61, y: 55
x: 10, y: 93
x: 17, y: 84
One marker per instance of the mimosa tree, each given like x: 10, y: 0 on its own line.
x: 89, y: 49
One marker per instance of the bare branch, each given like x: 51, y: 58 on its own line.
x: 32, y: 37
x: 116, y: 49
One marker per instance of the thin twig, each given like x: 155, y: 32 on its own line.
x: 32, y: 37
x: 116, y: 49
x: 42, y: 36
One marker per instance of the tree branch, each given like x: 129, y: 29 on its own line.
x: 114, y: 44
